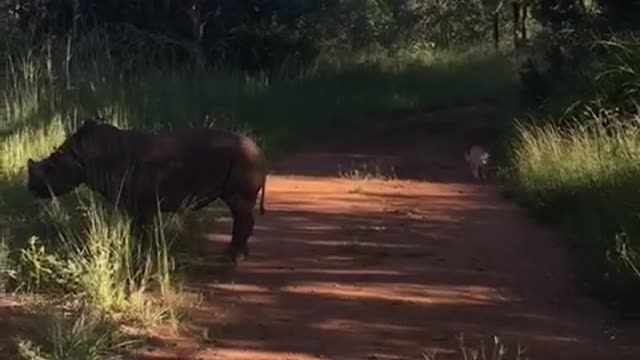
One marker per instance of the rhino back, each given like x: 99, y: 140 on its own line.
x: 199, y: 164
x: 233, y: 158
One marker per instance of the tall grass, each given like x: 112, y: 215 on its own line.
x: 101, y: 278
x: 582, y: 172
x: 102, y: 264
x: 86, y: 335
x: 282, y: 108
x: 498, y: 352
x: 29, y: 142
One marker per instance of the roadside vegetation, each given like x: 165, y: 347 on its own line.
x: 573, y: 157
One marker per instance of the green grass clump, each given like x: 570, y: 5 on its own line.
x: 584, y: 178
x: 578, y: 167
x: 498, y: 352
x: 102, y: 264
x: 285, y: 107
x: 82, y: 335
x: 29, y: 142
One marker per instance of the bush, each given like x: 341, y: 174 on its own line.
x: 581, y: 170
x: 81, y: 335
x: 101, y: 264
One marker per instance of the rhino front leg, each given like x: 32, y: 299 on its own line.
x: 243, y: 223
x: 141, y: 225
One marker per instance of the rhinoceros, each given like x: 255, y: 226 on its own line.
x: 142, y: 172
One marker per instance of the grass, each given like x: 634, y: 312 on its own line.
x: 367, y: 172
x: 498, y: 352
x: 28, y: 142
x: 94, y: 262
x: 5, y: 264
x: 583, y: 179
x: 581, y: 171
x: 82, y: 335
x: 284, y: 111
x: 100, y: 263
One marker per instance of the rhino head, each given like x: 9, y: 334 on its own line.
x: 57, y: 174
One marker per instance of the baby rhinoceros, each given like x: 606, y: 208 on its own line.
x: 143, y: 172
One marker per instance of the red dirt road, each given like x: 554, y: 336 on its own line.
x: 399, y: 267
x: 351, y: 269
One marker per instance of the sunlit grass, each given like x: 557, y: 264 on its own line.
x: 81, y: 335
x: 102, y: 264
x: 29, y: 142
x: 583, y: 178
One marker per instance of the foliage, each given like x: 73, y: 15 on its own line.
x: 252, y: 35
x: 578, y: 168
x: 81, y: 335
x: 103, y: 266
x: 498, y: 352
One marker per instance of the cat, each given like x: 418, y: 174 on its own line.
x: 478, y: 159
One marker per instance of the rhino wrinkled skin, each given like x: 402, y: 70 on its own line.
x: 140, y: 171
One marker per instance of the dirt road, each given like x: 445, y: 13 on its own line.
x: 354, y: 269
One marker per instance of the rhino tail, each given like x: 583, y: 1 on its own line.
x: 264, y: 189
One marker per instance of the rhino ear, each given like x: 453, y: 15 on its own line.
x: 32, y: 167
x: 89, y: 123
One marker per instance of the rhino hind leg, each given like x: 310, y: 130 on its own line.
x: 243, y: 223
x: 483, y: 172
x: 142, y: 230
